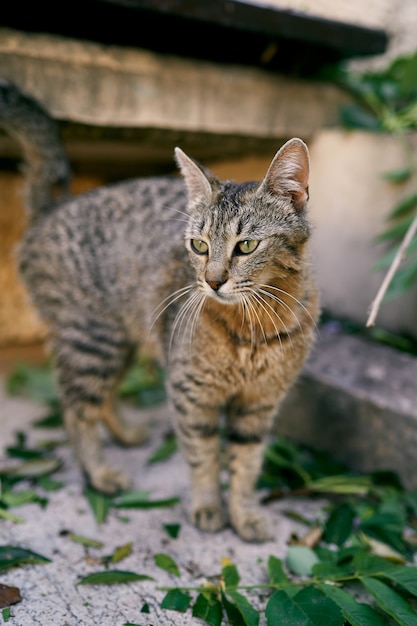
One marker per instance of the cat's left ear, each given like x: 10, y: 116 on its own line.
x: 196, y: 180
x: 289, y: 172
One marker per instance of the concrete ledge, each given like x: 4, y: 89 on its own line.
x: 113, y: 86
x: 357, y: 400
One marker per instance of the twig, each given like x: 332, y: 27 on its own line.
x: 399, y: 257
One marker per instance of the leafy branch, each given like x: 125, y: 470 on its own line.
x: 304, y: 602
x: 387, y: 101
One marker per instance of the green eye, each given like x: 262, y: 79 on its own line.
x: 247, y: 246
x: 199, y: 246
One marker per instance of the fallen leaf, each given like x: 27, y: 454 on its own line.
x: 112, y: 577
x: 9, y: 595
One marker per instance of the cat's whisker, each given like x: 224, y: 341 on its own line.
x: 250, y: 303
x: 181, y: 316
x: 195, y: 316
x: 171, y: 208
x: 296, y: 300
x: 178, y: 219
x: 173, y: 297
x: 247, y: 309
x: 285, y: 306
x: 255, y: 295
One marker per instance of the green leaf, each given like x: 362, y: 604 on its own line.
x: 404, y: 206
x: 331, y: 571
x: 234, y: 616
x: 36, y: 383
x: 386, y: 260
x: 398, y: 176
x: 167, y: 563
x: 152, y: 504
x: 404, y: 279
x: 6, y: 614
x: 10, y: 517
x: 315, y: 604
x: 391, y: 602
x: 300, y: 560
x: 12, y: 556
x: 139, y: 500
x: 339, y: 525
x: 282, y: 610
x: 342, y: 484
x: 403, y: 575
x: 230, y: 574
x: 176, y: 600
x: 121, y: 552
x: 165, y: 450
x: 354, y: 116
x: 17, y: 498
x: 52, y: 420
x: 99, y: 502
x: 398, y: 230
x: 49, y: 484
x: 144, y: 383
x: 85, y: 541
x: 276, y: 573
x: 27, y: 454
x: 173, y: 530
x: 33, y: 469
x: 112, y: 577
x: 249, y: 613
x: 131, y: 499
x: 209, y: 609
x: 356, y: 613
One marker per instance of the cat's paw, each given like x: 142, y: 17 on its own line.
x: 252, y: 524
x: 109, y: 480
x: 209, y: 518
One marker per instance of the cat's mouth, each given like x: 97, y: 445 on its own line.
x: 223, y: 294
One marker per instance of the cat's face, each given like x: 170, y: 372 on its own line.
x: 244, y: 237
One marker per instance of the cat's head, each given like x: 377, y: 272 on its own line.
x: 241, y: 236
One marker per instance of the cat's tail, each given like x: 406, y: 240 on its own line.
x: 47, y: 172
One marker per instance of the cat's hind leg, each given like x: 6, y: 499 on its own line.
x: 126, y: 434
x: 90, y: 358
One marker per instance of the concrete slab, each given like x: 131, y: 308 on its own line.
x: 358, y: 400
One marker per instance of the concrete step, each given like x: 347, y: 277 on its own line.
x: 356, y: 399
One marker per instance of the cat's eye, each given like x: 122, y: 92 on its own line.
x: 199, y: 246
x: 247, y: 246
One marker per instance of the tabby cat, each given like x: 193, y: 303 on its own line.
x: 211, y: 276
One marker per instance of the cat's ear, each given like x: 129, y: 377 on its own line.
x: 288, y: 173
x: 197, y: 182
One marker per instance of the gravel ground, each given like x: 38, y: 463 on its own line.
x: 50, y: 594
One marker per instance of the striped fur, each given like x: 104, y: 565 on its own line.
x: 212, y: 276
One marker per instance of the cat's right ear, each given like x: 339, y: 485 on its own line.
x: 197, y: 183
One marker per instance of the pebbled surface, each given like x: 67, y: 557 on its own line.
x: 50, y: 594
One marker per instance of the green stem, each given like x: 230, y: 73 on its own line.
x: 277, y: 586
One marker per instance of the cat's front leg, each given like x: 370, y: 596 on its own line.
x: 248, y: 430
x: 197, y: 429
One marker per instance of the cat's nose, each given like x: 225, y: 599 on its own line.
x: 215, y: 284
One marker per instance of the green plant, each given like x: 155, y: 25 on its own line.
x: 386, y: 101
